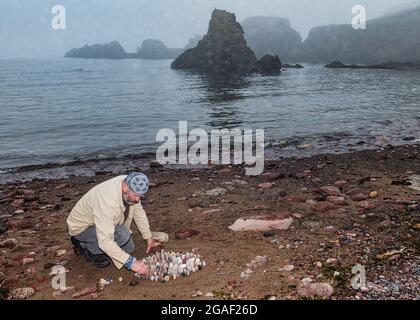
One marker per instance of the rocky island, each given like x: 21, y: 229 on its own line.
x: 224, y: 50
x: 150, y: 49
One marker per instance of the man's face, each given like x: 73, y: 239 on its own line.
x: 129, y: 197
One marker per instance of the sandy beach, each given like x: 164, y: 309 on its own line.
x: 372, y: 220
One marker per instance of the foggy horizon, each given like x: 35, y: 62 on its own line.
x: 25, y: 25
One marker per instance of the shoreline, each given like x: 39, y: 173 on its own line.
x: 328, y: 236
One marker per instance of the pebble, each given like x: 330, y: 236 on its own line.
x: 209, y: 295
x: 19, y: 211
x: 197, y: 294
x: 216, y: 192
x: 323, y: 290
x: 373, y: 194
x: 306, y: 280
x: 61, y: 252
x: 120, y: 279
x: 265, y: 186
x: 288, y: 267
x: 22, y: 293
x: 133, y: 283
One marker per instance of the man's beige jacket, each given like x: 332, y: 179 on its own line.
x: 103, y: 207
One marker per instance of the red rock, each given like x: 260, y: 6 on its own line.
x: 157, y: 248
x: 8, y: 243
x: 84, y: 292
x: 337, y: 200
x: 272, y: 176
x: 323, y: 206
x: 20, y: 224
x: 40, y: 279
x: 330, y: 190
x: 296, y: 198
x: 340, y: 184
x: 265, y: 185
x: 17, y: 203
x: 360, y: 197
x: 186, y: 233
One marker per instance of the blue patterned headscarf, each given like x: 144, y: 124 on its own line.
x: 138, y: 183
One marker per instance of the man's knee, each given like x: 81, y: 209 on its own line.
x: 122, y: 235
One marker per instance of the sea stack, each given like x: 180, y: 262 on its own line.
x: 222, y: 51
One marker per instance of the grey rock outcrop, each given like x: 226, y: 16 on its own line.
x: 223, y: 50
x: 272, y: 35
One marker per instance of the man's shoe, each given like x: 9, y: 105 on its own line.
x: 78, y: 249
x: 98, y: 260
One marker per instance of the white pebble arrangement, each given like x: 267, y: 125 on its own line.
x: 169, y: 265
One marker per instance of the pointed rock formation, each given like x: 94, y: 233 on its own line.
x: 223, y: 50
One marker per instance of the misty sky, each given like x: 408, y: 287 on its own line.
x: 25, y: 25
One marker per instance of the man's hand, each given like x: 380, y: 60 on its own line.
x: 140, y: 268
x: 150, y: 244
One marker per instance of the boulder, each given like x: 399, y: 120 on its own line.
x: 274, y: 221
x: 222, y: 51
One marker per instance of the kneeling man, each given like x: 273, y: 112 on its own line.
x: 99, y: 224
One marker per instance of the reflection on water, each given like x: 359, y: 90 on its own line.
x: 58, y: 110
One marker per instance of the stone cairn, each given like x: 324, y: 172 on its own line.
x: 169, y: 265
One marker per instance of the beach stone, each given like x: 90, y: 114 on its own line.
x: 22, y: 293
x: 373, y: 194
x: 17, y: 203
x: 209, y: 295
x: 84, y: 292
x: 185, y: 233
x: 215, y: 192
x: 340, y: 184
x: 360, y: 197
x: 20, y: 211
x: 323, y: 206
x: 8, y: 243
x: 366, y: 205
x: 272, y: 176
x: 20, y: 224
x: 288, y: 267
x: 265, y: 186
x: 330, y: 190
x: 313, y: 290
x: 274, y: 221
x: 133, y: 283
x: 295, y: 198
x: 269, y: 233
x: 340, y: 201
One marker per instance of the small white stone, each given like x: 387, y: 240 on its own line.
x: 306, y: 280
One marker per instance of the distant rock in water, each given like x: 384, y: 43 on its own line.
x: 155, y: 49
x: 112, y: 50
x: 223, y: 50
x: 272, y: 35
x: 292, y: 66
x: 387, y: 65
x: 269, y: 64
x: 388, y: 38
